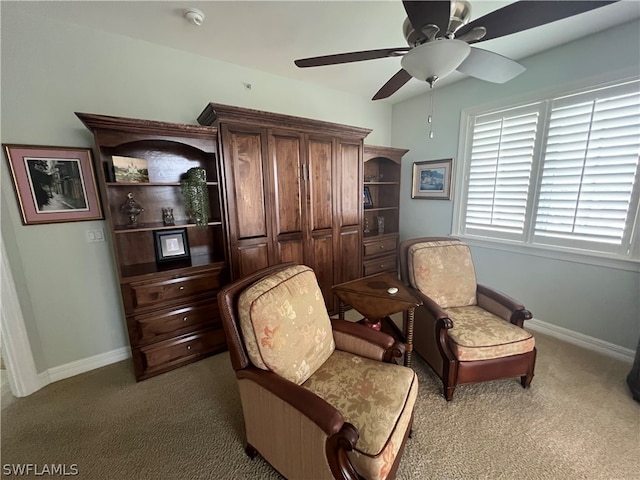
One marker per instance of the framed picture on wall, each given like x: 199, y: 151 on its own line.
x: 53, y: 184
x: 432, y: 179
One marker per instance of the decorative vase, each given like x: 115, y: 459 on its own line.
x: 131, y: 209
x: 196, y: 198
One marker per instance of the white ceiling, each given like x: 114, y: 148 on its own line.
x: 270, y: 35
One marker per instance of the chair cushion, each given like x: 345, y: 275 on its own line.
x: 377, y: 398
x: 480, y: 335
x: 443, y: 270
x: 285, y: 323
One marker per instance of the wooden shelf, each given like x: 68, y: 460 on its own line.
x: 375, y: 234
x: 131, y: 273
x: 145, y: 227
x: 379, y: 209
x: 151, y: 184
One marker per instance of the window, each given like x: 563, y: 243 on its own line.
x: 560, y: 172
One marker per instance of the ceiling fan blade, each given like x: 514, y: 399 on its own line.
x: 393, y: 85
x: 351, y: 57
x: 435, y: 12
x: 490, y: 66
x: 526, y: 14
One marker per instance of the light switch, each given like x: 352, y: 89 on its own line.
x: 96, y: 235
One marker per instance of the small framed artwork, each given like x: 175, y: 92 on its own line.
x: 171, y: 245
x: 130, y: 169
x: 432, y: 179
x: 53, y: 184
x: 366, y: 198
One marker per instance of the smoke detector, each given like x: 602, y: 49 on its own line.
x: 194, y: 16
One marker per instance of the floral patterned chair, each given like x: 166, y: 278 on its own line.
x: 466, y: 332
x: 321, y: 398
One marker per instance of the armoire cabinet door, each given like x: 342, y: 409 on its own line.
x: 286, y: 155
x: 349, y: 199
x: 321, y: 252
x: 247, y: 177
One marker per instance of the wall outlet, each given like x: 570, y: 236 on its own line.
x: 95, y: 235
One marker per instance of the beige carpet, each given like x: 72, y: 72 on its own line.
x: 578, y: 421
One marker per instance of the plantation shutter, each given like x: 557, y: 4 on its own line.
x: 590, y: 164
x: 500, y: 171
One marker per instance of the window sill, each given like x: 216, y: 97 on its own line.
x: 556, y: 253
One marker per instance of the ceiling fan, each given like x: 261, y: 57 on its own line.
x: 439, y: 35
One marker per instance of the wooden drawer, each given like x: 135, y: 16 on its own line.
x: 382, y: 264
x: 174, y: 288
x: 161, y: 356
x: 167, y: 323
x: 379, y: 247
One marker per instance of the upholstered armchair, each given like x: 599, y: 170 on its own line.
x: 466, y: 332
x: 321, y: 398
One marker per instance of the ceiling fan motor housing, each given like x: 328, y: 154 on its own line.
x: 460, y: 16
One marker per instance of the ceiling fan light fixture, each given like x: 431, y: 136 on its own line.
x: 436, y: 59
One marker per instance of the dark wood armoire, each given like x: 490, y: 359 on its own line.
x: 294, y: 192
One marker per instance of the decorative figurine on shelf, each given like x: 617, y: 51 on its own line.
x: 196, y: 197
x: 167, y: 216
x: 380, y: 225
x: 131, y: 209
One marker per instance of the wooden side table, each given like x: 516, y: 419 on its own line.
x: 370, y: 297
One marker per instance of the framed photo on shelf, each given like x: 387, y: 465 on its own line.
x: 171, y: 245
x: 130, y: 169
x: 53, y: 184
x: 432, y: 179
x: 366, y: 198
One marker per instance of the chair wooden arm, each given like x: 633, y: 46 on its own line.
x: 439, y: 320
x: 365, y: 342
x: 502, y: 305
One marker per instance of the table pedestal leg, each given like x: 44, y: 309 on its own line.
x: 341, y: 310
x: 409, y: 336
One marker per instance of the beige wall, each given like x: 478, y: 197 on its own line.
x: 67, y: 287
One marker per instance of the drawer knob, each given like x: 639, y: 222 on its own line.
x: 381, y: 247
x: 382, y: 266
x: 188, y: 347
x: 181, y: 287
x: 184, y: 319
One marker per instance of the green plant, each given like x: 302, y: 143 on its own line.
x: 196, y: 198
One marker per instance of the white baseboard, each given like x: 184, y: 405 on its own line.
x: 86, y: 364
x: 81, y: 366
x: 585, y: 341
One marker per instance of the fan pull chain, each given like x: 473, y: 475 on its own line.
x: 430, y: 116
